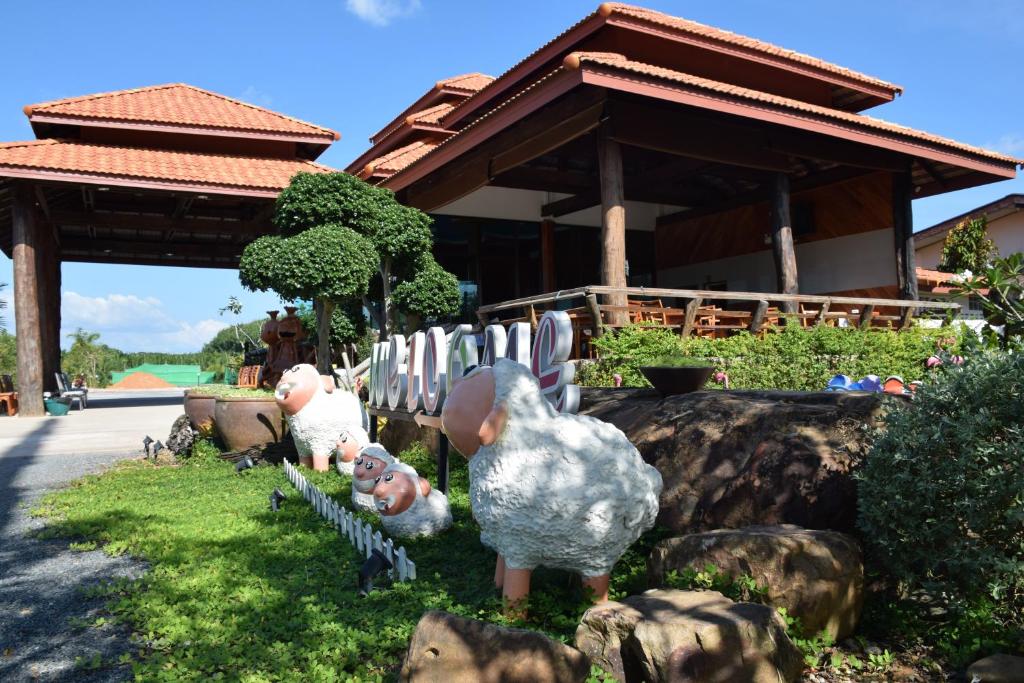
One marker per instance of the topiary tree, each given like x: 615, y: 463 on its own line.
x: 940, y: 494
x: 967, y: 247
x: 400, y: 236
x: 326, y: 264
x: 428, y: 292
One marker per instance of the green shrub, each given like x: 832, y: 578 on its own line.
x: 941, y: 501
x: 791, y: 358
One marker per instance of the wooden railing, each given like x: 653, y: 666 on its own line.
x: 710, y: 313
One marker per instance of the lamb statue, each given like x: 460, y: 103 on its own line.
x: 369, y: 464
x: 351, y: 441
x: 408, y: 506
x: 317, y: 413
x: 564, y: 491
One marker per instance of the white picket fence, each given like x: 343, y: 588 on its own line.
x: 360, y: 535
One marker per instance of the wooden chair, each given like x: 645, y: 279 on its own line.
x: 8, y: 396
x: 646, y: 310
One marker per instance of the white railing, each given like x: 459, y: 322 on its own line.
x: 360, y: 534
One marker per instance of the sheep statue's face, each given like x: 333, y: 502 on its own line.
x: 395, y: 492
x: 350, y: 443
x: 469, y: 416
x: 369, y: 465
x: 297, y: 387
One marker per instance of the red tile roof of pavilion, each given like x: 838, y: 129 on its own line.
x: 460, y: 86
x: 180, y: 106
x: 396, y: 160
x: 612, y: 62
x: 150, y: 168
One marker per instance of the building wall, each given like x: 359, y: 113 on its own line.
x: 1007, y: 232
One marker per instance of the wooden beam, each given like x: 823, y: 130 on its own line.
x: 127, y: 221
x: 903, y: 234
x: 26, y: 305
x: 827, y: 149
x: 866, y: 314
x: 692, y: 307
x: 123, y: 246
x: 782, y: 241
x: 822, y: 314
x: 545, y: 180
x: 595, y: 312
x: 177, y: 262
x: 757, y: 320
x: 564, y: 131
x: 613, y: 222
x: 567, y: 205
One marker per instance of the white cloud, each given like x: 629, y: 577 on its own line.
x: 381, y: 12
x: 254, y: 95
x: 1011, y: 143
x: 132, y: 323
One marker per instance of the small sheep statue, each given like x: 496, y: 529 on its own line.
x: 351, y: 441
x: 407, y: 505
x: 317, y: 413
x: 369, y: 465
x: 564, y: 491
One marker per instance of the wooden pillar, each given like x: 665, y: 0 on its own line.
x: 26, y: 304
x: 903, y: 234
x: 613, y: 222
x: 782, y: 241
x: 48, y: 288
x: 547, y: 256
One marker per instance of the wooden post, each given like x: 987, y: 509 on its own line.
x: 613, y: 223
x: 905, y: 317
x: 757, y: 320
x: 48, y: 292
x: 903, y: 234
x: 692, y: 306
x: 547, y: 256
x: 866, y: 314
x: 822, y: 314
x: 782, y: 241
x: 26, y: 305
x: 595, y: 313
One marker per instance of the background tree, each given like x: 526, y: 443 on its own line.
x: 430, y: 292
x: 1000, y: 288
x: 325, y: 264
x: 400, y: 237
x: 967, y: 247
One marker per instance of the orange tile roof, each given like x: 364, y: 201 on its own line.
x: 178, y: 105
x: 143, y: 167
x: 431, y: 115
x: 468, y: 82
x: 620, y: 63
x: 397, y: 159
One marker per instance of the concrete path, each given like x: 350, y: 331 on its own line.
x: 42, y: 606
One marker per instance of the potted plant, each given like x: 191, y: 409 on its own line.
x: 199, y: 403
x: 671, y: 375
x: 240, y: 416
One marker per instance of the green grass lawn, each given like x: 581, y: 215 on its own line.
x: 237, y: 592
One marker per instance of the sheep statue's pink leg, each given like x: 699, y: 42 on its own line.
x: 598, y: 584
x: 499, y: 572
x: 515, y: 590
x: 321, y: 463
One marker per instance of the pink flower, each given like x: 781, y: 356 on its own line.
x: 722, y: 378
x: 617, y: 378
x: 957, y: 360
x: 933, y: 362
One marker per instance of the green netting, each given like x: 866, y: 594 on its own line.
x: 178, y: 375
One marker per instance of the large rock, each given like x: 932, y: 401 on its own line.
x: 446, y: 648
x: 997, y: 669
x: 691, y: 636
x: 731, y: 459
x: 817, y: 576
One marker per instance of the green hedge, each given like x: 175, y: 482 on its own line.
x: 791, y: 358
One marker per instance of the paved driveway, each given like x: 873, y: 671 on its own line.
x: 41, y: 581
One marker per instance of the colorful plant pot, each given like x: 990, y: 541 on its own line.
x: 673, y: 381
x: 199, y: 409
x: 243, y: 422
x: 56, y: 407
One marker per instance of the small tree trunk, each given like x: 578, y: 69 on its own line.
x: 375, y: 316
x: 386, y: 318
x: 324, y: 312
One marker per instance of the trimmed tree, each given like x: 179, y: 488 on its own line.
x: 429, y: 292
x: 327, y: 264
x: 967, y: 247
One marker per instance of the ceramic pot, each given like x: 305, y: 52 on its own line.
x: 199, y: 409
x: 268, y: 333
x: 673, y: 381
x: 244, y: 422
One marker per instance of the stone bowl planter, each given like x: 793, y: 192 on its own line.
x: 671, y: 381
x: 244, y: 422
x: 199, y: 409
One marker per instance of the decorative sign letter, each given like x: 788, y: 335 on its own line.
x: 414, y: 399
x: 494, y: 344
x: 434, y: 379
x: 374, y: 363
x: 461, y: 353
x: 518, y: 346
x: 398, y: 378
x: 550, y: 352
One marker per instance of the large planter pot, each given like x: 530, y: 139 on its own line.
x: 670, y: 381
x: 244, y: 422
x: 199, y: 409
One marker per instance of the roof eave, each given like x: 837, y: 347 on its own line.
x: 141, y: 183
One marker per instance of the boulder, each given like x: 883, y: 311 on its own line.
x: 688, y: 636
x: 731, y: 459
x: 997, y: 669
x: 818, y: 576
x: 446, y: 648
x: 181, y: 438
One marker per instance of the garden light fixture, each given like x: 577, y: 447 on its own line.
x: 245, y: 463
x: 375, y: 565
x: 275, y: 499
x: 145, y: 444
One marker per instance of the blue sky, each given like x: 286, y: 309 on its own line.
x: 352, y: 64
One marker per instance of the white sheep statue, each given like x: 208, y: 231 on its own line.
x: 351, y: 441
x: 407, y: 505
x: 369, y: 464
x: 564, y: 491
x: 317, y: 413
